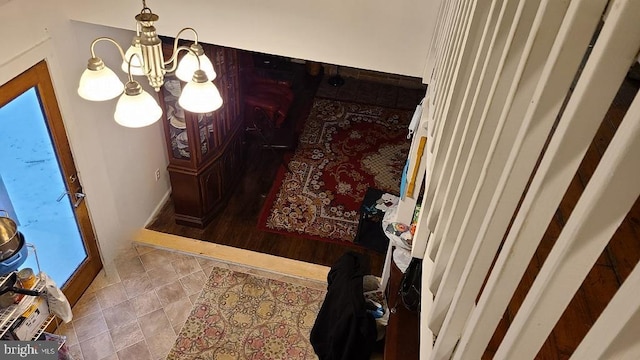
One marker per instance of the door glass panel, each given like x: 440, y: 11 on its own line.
x: 31, y: 184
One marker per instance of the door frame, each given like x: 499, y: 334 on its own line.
x: 38, y: 77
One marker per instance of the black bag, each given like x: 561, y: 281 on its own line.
x: 411, y: 285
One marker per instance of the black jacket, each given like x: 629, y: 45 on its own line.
x: 343, y: 329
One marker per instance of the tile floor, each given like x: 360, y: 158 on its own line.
x: 138, y: 315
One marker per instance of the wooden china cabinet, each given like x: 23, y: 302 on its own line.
x: 205, y: 150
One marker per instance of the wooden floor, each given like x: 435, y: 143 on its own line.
x: 236, y: 225
x: 612, y: 268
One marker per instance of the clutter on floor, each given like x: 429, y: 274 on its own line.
x: 345, y: 327
x: 372, y: 210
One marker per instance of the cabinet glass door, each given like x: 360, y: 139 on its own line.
x: 176, y: 117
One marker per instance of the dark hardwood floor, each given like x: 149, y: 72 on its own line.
x: 236, y: 225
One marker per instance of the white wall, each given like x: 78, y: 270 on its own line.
x: 116, y: 165
x: 381, y: 35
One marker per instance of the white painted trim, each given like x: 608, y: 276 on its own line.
x: 481, y: 63
x: 539, y: 40
x: 491, y: 70
x: 564, y: 59
x: 439, y: 7
x: 589, y: 103
x: 158, y: 207
x: 614, y: 336
x: 535, y: 30
x: 426, y: 335
x: 443, y: 45
x: 606, y: 200
x: 464, y: 69
x: 515, y: 31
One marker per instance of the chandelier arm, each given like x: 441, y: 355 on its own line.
x: 94, y: 42
x: 129, y: 75
x: 175, y: 42
x: 195, y: 34
x: 174, y: 56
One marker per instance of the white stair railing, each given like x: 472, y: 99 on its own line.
x: 502, y: 73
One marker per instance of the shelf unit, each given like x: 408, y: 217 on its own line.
x: 10, y: 314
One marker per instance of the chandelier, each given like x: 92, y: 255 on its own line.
x: 136, y: 107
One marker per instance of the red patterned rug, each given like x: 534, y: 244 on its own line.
x: 344, y: 149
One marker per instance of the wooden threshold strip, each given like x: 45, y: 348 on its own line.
x: 251, y: 259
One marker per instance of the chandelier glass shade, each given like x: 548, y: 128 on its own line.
x: 200, y: 95
x: 99, y: 85
x: 136, y: 107
x: 189, y: 64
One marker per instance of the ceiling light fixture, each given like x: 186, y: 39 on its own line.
x: 136, y: 107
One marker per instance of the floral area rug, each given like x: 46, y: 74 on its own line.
x: 344, y: 149
x: 240, y: 316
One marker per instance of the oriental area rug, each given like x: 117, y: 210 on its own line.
x: 240, y: 316
x: 344, y: 149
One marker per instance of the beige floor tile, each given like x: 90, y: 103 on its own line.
x: 177, y: 313
x: 157, y: 332
x: 176, y: 255
x: 194, y: 298
x: 145, y: 303
x: 193, y: 283
x: 89, y: 326
x: 97, y: 347
x: 206, y: 262
x: 127, y: 335
x: 129, y: 267
x: 162, y: 275
x: 111, y: 295
x: 142, y: 249
x: 76, y: 352
x: 127, y: 252
x: 102, y: 280
x: 171, y: 293
x: 119, y: 315
x: 87, y: 304
x: 137, y: 285
x: 137, y: 351
x: 186, y: 266
x: 69, y: 332
x: 155, y: 258
x: 207, y: 270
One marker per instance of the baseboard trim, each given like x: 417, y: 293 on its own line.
x: 158, y: 207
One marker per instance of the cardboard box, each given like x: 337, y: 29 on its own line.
x: 27, y: 325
